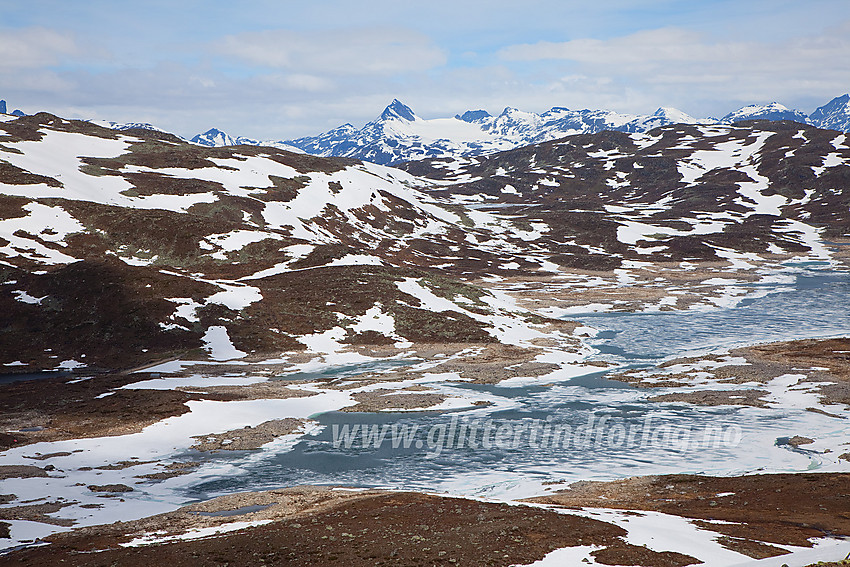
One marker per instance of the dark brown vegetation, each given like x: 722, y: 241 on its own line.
x: 380, y: 529
x: 763, y: 509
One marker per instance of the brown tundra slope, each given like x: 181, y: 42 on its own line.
x: 124, y: 247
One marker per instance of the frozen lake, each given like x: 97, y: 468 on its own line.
x: 584, y: 428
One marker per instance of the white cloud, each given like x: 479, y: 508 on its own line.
x: 279, y: 84
x: 675, y: 66
x: 299, y: 82
x: 652, y: 46
x: 34, y: 47
x: 348, y: 52
x: 673, y: 46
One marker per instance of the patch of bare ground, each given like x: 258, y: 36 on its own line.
x: 110, y: 488
x: 102, y: 311
x: 716, y: 397
x: 473, y: 362
x: 496, y: 362
x: 818, y: 360
x: 748, y: 547
x: 248, y: 437
x: 60, y: 408
x: 272, y: 389
x: 385, y: 399
x: 21, y: 471
x: 752, y: 511
x: 171, y: 470
x: 653, y: 285
x: 323, y: 526
x: 121, y: 465
x: 37, y: 513
x: 56, y: 409
x: 798, y: 440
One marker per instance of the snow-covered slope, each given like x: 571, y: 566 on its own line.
x: 772, y: 111
x: 214, y: 137
x: 678, y: 193
x: 127, y: 125
x: 164, y: 245
x: 834, y: 115
x: 398, y: 134
x: 159, y: 243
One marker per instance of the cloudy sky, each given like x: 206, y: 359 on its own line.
x: 277, y: 69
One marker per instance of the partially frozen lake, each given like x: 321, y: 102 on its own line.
x: 597, y: 428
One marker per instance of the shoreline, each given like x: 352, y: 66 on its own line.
x: 745, y: 517
x: 377, y: 379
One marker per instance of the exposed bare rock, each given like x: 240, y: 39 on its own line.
x: 771, y: 508
x: 248, y: 437
x: 385, y: 399
x: 21, y: 471
x: 312, y: 526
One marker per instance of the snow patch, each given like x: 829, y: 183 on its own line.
x: 218, y: 343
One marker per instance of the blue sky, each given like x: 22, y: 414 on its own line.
x: 279, y: 69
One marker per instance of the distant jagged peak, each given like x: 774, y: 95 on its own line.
x: 674, y: 115
x: 777, y: 106
x: 771, y: 111
x: 127, y: 125
x: 4, y: 110
x: 217, y: 138
x: 398, y: 110
x: 510, y: 110
x: 514, y: 115
x: 834, y: 114
x: 213, y: 137
x: 347, y: 127
x: 473, y: 116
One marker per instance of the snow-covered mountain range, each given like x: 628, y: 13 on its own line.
x: 16, y: 112
x: 773, y: 111
x: 834, y: 115
x: 399, y: 135
x: 214, y: 138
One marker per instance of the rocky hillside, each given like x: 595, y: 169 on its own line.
x: 117, y: 248
x: 835, y: 115
x: 122, y: 247
x: 680, y: 193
